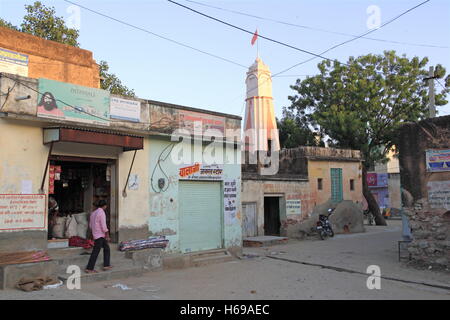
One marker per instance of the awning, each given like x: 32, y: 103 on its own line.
x: 99, y: 137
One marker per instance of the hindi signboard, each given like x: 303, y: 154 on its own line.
x: 229, y: 199
x: 13, y: 62
x: 293, y: 205
x: 65, y: 101
x: 439, y: 194
x: 199, y: 171
x: 124, y: 109
x: 200, y: 122
x: 23, y: 212
x: 438, y: 160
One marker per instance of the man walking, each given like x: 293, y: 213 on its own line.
x: 100, y: 233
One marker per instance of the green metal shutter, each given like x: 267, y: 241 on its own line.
x: 336, y: 185
x: 200, y: 208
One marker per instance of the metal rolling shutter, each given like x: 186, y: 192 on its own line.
x: 200, y: 210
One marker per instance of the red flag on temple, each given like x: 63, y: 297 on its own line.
x: 255, y: 37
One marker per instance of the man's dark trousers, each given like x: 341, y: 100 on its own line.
x: 98, y: 244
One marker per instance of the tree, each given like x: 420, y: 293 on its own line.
x: 6, y: 24
x: 361, y: 104
x: 42, y: 21
x: 110, y: 82
x: 294, y: 133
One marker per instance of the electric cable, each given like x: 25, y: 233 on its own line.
x: 158, y: 165
x: 156, y: 35
x: 313, y: 28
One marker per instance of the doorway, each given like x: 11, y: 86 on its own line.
x: 77, y: 184
x: 272, y: 222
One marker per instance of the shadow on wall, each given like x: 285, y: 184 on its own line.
x: 348, y: 217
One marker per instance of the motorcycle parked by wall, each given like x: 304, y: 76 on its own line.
x: 369, y: 216
x: 323, y: 226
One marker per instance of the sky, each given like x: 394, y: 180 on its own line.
x: 161, y: 70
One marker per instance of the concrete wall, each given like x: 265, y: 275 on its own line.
x: 53, y: 60
x: 165, y: 205
x: 253, y: 191
x: 429, y: 220
x: 322, y: 170
x: 22, y: 158
x: 414, y: 140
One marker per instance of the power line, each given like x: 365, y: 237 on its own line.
x: 156, y: 35
x: 299, y: 49
x: 356, y: 38
x: 252, y: 32
x: 315, y: 29
x: 443, y: 87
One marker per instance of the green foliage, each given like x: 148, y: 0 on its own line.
x: 41, y: 21
x: 6, y: 24
x: 294, y: 133
x: 110, y: 82
x: 360, y: 105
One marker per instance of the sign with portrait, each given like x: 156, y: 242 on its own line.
x: 65, y: 101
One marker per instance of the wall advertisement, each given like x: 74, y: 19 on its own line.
x: 23, y: 212
x: 438, y: 160
x: 124, y: 109
x: 200, y: 122
x: 13, y: 62
x: 65, y: 101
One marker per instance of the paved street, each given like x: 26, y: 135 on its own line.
x: 312, y: 269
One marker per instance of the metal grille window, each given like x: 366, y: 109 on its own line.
x: 336, y: 185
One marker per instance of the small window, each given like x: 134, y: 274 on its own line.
x: 352, y: 185
x: 319, y: 184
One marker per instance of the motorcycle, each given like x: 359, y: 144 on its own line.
x: 369, y: 216
x: 323, y: 226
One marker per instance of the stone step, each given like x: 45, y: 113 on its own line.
x: 264, y: 241
x: 209, y: 253
x: 119, y: 271
x: 206, y: 258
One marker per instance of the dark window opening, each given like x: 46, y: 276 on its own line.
x: 352, y: 184
x: 319, y: 184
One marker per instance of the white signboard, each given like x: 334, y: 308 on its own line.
x: 229, y: 199
x: 23, y: 212
x: 122, y: 109
x: 13, y: 62
x: 293, y: 207
x: 201, y: 172
x: 439, y: 194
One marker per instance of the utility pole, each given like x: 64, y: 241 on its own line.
x: 432, y: 107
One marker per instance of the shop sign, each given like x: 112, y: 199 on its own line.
x: 123, y: 109
x: 200, y: 122
x: 229, y: 198
x: 69, y: 102
x: 13, y: 62
x: 438, y: 160
x: 439, y: 194
x: 23, y: 212
x: 377, y: 179
x: 199, y: 171
x: 293, y: 205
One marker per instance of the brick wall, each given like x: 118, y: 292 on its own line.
x: 53, y: 60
